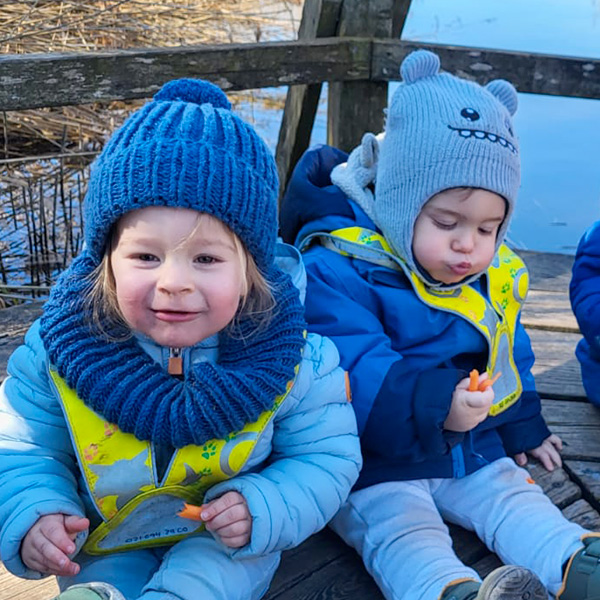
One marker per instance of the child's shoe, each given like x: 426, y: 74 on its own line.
x: 504, y: 583
x: 91, y: 591
x: 582, y: 575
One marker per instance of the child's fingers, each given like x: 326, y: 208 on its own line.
x: 231, y: 528
x: 553, y: 454
x: 237, y: 513
x: 56, y: 534
x: 236, y: 542
x: 521, y: 459
x: 548, y: 455
x: 75, y: 524
x: 546, y: 461
x: 555, y: 441
x: 221, y: 504
x: 45, y: 557
x: 480, y: 400
x: 235, y: 537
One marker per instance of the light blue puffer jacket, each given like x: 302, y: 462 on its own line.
x: 298, y: 475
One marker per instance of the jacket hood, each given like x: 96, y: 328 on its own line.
x: 312, y: 202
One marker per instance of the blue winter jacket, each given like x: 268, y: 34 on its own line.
x: 404, y: 357
x: 298, y: 475
x: 585, y: 300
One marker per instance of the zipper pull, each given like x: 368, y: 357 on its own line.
x: 175, y: 362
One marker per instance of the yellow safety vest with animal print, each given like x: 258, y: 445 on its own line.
x: 495, y: 318
x: 138, y: 509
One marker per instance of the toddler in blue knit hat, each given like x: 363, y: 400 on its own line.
x: 409, y: 276
x: 167, y: 428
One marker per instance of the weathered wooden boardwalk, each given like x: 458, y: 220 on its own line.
x: 323, y: 567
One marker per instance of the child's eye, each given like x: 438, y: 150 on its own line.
x: 146, y: 257
x: 205, y: 259
x: 485, y: 231
x: 444, y: 225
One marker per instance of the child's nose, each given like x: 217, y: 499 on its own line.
x: 174, y: 279
x: 464, y: 241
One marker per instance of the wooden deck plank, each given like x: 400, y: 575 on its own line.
x: 556, y: 369
x: 548, y: 271
x: 545, y: 309
x: 12, y: 588
x: 587, y: 474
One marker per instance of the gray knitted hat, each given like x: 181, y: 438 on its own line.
x: 442, y: 132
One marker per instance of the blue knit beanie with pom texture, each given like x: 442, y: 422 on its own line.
x: 441, y: 132
x: 186, y: 148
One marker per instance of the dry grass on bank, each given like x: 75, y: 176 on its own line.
x: 42, y: 26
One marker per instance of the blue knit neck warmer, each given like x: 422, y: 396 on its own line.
x: 122, y: 383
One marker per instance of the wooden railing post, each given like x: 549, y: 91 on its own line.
x: 357, y: 107
x: 319, y: 19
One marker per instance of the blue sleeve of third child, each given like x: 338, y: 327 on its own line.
x: 585, y: 300
x: 387, y: 389
x: 585, y: 285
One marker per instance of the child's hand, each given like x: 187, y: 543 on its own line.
x: 229, y: 518
x: 468, y: 409
x: 49, y: 542
x: 548, y: 453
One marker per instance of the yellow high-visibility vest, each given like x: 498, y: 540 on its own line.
x: 495, y: 319
x: 137, y: 508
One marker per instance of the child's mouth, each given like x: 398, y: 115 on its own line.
x: 461, y: 268
x: 174, y: 316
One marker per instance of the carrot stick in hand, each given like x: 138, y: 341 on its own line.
x: 484, y: 385
x: 473, y: 380
x: 190, y: 511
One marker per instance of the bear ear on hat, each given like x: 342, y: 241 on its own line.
x: 196, y: 91
x: 419, y: 65
x: 505, y: 92
x: 369, y: 151
x: 355, y: 176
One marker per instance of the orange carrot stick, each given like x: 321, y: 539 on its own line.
x: 190, y: 511
x: 473, y: 380
x: 484, y: 385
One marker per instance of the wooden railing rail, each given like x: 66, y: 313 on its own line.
x: 43, y: 80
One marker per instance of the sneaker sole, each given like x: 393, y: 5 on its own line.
x: 512, y: 583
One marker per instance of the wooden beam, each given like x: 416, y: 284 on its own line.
x: 400, y: 10
x: 531, y: 73
x: 354, y: 108
x: 319, y: 19
x: 39, y: 80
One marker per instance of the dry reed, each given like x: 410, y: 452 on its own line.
x: 30, y: 26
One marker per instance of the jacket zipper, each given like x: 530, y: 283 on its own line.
x: 175, y: 362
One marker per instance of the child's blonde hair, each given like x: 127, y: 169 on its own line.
x: 256, y: 302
